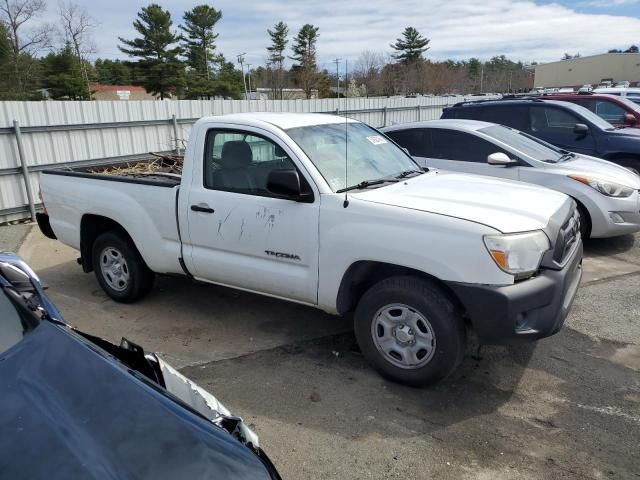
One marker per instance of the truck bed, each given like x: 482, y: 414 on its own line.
x: 144, y: 205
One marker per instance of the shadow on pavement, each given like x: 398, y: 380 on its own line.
x: 561, y: 402
x: 611, y: 246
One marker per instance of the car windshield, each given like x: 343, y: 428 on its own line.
x: 525, y: 144
x: 629, y: 102
x: 371, y: 156
x: 589, y: 115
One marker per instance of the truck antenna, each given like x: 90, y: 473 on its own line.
x: 346, y: 134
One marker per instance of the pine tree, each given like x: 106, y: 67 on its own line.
x: 304, y: 54
x: 276, y: 51
x: 199, y: 42
x: 411, y: 46
x: 157, y: 50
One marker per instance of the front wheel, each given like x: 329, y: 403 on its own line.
x: 120, y: 269
x: 409, y: 330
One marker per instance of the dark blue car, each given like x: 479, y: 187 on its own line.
x: 74, y: 406
x: 563, y: 124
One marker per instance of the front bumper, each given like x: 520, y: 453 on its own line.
x: 611, y: 217
x: 528, y: 310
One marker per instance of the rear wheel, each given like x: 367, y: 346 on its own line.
x: 409, y: 330
x: 119, y: 268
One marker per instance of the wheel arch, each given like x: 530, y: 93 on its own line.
x: 363, y: 274
x: 91, y: 227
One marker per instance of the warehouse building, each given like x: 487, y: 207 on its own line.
x: 615, y: 67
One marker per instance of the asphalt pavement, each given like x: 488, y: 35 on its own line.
x: 565, y: 407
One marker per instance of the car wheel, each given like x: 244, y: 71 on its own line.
x: 585, y: 223
x: 409, y: 330
x: 119, y: 268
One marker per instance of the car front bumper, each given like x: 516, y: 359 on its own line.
x: 528, y: 310
x: 611, y: 217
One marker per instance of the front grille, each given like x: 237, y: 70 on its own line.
x: 568, y: 235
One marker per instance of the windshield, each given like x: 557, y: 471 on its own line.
x: 523, y: 143
x: 371, y: 155
x: 628, y: 101
x: 589, y: 115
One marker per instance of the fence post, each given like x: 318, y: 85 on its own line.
x: 384, y: 116
x: 418, y: 115
x: 174, y: 121
x: 25, y: 170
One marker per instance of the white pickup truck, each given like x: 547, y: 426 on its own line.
x: 265, y: 204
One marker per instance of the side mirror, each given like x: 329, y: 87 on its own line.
x: 501, y: 159
x: 286, y: 183
x: 580, y: 129
x: 629, y: 119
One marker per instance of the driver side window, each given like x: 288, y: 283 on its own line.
x: 241, y: 162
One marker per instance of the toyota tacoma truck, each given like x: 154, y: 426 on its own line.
x: 328, y: 212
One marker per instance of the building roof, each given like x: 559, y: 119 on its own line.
x: 97, y: 87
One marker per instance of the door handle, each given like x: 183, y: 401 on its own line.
x: 204, y: 208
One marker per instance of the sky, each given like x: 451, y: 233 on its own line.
x: 459, y: 29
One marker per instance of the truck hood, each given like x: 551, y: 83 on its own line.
x: 504, y: 205
x: 587, y: 166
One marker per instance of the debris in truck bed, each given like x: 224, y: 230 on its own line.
x: 161, y: 163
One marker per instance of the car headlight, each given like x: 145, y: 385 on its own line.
x: 605, y: 187
x: 519, y: 254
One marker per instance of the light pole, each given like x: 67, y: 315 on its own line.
x: 249, y: 76
x: 244, y: 81
x: 337, y: 60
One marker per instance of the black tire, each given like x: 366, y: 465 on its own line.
x: 585, y: 223
x: 139, y: 278
x: 434, y: 305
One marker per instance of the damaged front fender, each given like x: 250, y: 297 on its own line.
x: 206, y: 404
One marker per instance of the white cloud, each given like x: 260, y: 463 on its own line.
x: 458, y: 29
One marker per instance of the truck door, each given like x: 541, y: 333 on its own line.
x: 241, y: 235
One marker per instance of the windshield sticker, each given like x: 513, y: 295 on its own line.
x: 376, y: 139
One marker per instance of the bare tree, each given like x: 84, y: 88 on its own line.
x: 15, y: 15
x: 77, y: 26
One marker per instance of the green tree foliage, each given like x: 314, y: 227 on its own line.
x: 276, y: 54
x: 278, y: 43
x: 157, y: 51
x: 113, y: 72
x: 63, y: 75
x: 199, y: 39
x: 305, y: 54
x: 410, y: 46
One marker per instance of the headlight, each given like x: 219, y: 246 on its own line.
x: 519, y: 254
x: 605, y: 187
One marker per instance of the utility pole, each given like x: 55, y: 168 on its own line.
x: 337, y: 62
x: 244, y: 80
x: 481, y: 78
x: 249, y: 77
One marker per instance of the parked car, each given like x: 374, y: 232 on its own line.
x: 606, y: 193
x: 563, y: 124
x: 632, y: 93
x: 618, y: 111
x: 76, y: 406
x: 325, y: 211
